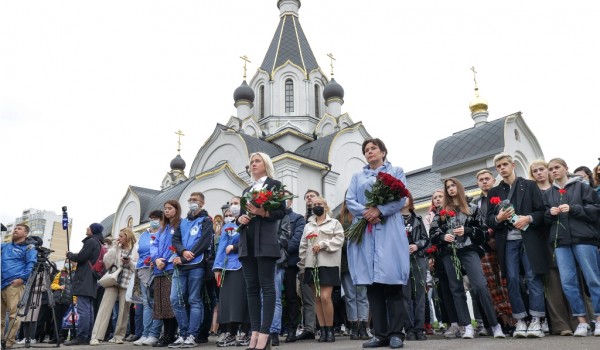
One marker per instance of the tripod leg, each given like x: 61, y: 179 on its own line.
x: 51, y: 305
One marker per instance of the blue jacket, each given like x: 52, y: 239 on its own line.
x: 160, y: 249
x: 194, y: 234
x: 382, y: 256
x: 144, y: 244
x: 297, y: 223
x: 17, y: 262
x: 233, y: 259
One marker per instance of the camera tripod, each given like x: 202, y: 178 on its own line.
x: 39, y: 279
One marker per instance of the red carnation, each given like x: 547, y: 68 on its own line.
x: 443, y: 212
x: 562, y: 191
x: 147, y: 261
x: 312, y: 236
x: 495, y: 200
x: 431, y: 249
x: 451, y: 213
x: 152, y: 237
x: 172, y: 248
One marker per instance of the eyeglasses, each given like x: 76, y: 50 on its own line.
x: 194, y: 200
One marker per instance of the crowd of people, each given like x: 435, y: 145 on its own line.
x: 526, y: 251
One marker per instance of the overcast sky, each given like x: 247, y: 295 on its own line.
x: 91, y: 93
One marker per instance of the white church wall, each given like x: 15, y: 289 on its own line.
x: 128, y: 213
x: 346, y: 158
x: 289, y: 142
x: 226, y: 146
x: 308, y: 178
x: 217, y: 188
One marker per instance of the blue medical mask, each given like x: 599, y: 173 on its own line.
x: 154, y: 224
x: 194, y: 206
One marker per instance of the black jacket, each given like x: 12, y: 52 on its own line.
x: 285, y: 236
x: 417, y: 234
x: 297, y: 224
x: 578, y: 226
x: 264, y: 230
x: 84, y: 278
x: 527, y: 200
x: 472, y: 223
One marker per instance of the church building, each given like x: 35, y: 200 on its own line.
x: 292, y: 111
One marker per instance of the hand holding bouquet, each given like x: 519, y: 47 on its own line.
x: 263, y: 198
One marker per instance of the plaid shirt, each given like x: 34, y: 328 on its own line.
x: 128, y: 270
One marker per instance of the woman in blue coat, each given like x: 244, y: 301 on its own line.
x: 381, y: 260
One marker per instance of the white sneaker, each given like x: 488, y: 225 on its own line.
x: 140, y: 341
x: 150, y: 341
x: 469, y: 333
x: 535, y: 330
x: 582, y: 330
x: 94, y: 342
x: 545, y: 327
x: 597, y: 330
x: 520, y: 329
x: 497, y: 329
x: 189, y: 342
x: 22, y: 341
x: 177, y: 343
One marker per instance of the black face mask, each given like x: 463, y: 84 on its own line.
x: 318, y: 211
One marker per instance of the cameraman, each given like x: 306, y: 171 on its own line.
x: 18, y: 259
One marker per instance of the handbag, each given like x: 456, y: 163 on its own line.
x: 111, y: 278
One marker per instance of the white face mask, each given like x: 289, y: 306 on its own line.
x: 229, y: 219
x: 235, y: 209
x: 194, y: 206
x: 154, y: 224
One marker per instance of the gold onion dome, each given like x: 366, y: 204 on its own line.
x: 478, y: 104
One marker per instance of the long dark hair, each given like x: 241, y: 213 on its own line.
x: 174, y: 222
x: 460, y: 201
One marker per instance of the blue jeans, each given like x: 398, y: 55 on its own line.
x: 86, y: 317
x: 187, y: 286
x: 586, y: 257
x: 515, y: 258
x: 139, y: 320
x: 276, y: 324
x: 357, y: 303
x: 151, y: 327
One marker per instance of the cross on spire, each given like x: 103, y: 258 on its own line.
x: 475, y: 79
x: 246, y: 60
x: 331, y: 59
x: 179, y: 133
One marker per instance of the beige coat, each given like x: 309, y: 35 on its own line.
x: 113, y: 257
x: 330, y: 239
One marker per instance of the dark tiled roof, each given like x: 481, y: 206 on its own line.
x: 468, y: 145
x: 145, y: 195
x: 289, y: 44
x: 255, y: 144
x: 159, y: 199
x: 107, y: 223
x: 422, y: 182
x: 318, y: 149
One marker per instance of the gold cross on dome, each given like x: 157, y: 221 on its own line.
x: 474, y: 77
x: 246, y: 60
x: 179, y: 133
x: 331, y: 59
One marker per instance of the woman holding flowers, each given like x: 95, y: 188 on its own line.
x: 233, y: 302
x: 259, y: 247
x: 381, y: 260
x: 320, y: 259
x: 121, y: 254
x: 457, y: 230
x: 152, y: 327
x: 572, y: 208
x: 161, y: 256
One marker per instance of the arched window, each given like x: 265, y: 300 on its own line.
x: 289, y: 96
x: 261, y: 101
x: 317, y: 101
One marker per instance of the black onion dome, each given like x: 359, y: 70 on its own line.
x: 333, y: 89
x: 243, y: 92
x: 178, y: 163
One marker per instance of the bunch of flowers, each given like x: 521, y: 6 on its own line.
x: 505, y: 205
x: 431, y: 251
x: 148, y: 261
x: 230, y: 232
x: 267, y: 199
x: 386, y: 189
x: 562, y: 192
x: 178, y: 286
x: 450, y: 217
x: 311, y: 239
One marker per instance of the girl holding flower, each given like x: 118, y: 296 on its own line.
x: 320, y: 259
x: 152, y: 327
x: 457, y: 231
x: 572, y: 208
x: 161, y: 256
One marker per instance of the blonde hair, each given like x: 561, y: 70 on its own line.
x: 269, y: 169
x: 503, y: 156
x: 325, y: 205
x: 130, y: 237
x: 538, y: 162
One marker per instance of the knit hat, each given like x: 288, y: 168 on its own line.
x: 96, y: 229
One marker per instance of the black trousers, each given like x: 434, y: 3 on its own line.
x: 387, y: 304
x: 291, y: 298
x: 259, y: 274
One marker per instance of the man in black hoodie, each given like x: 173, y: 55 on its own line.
x: 85, y: 282
x: 192, y: 241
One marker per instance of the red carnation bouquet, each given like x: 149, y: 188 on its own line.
x: 562, y: 192
x: 505, y: 205
x: 267, y: 199
x: 450, y: 217
x: 311, y: 239
x: 386, y: 189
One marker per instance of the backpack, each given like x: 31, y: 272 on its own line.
x: 98, y: 267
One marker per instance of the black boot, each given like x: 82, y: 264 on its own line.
x: 354, y: 331
x: 275, y: 339
x: 362, y: 330
x: 291, y: 336
x: 330, y: 335
x: 323, y: 335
